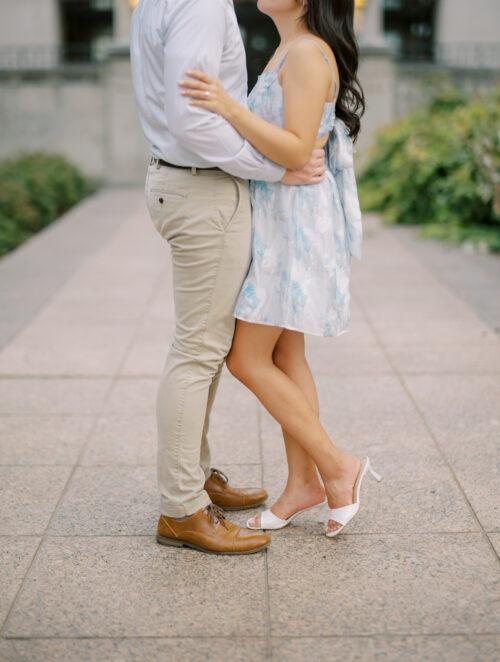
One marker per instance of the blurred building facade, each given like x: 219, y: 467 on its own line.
x: 65, y: 76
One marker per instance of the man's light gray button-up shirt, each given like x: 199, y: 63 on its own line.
x: 167, y: 38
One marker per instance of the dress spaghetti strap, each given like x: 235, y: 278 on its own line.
x: 325, y: 57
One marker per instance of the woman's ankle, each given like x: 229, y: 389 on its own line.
x: 343, y: 467
x: 309, y: 483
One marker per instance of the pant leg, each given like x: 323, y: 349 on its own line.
x: 206, y: 220
x: 205, y: 456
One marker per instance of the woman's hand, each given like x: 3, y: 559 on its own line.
x: 208, y: 93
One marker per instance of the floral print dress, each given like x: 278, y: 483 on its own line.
x: 303, y: 237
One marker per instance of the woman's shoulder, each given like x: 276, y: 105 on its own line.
x: 311, y: 47
x: 310, y: 54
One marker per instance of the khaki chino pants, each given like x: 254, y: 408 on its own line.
x: 205, y: 217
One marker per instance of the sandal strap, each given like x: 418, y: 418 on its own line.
x: 342, y: 515
x: 268, y: 520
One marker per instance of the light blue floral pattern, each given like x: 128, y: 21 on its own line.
x: 303, y: 236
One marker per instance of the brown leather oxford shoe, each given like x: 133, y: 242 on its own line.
x: 232, y: 498
x: 209, y: 531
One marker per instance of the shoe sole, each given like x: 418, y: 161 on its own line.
x: 249, y: 507
x: 171, y: 542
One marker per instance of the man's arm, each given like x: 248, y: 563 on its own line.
x: 194, y: 38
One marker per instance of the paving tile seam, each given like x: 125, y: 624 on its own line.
x: 56, y: 414
x: 132, y: 637
x: 428, y: 427
x: 407, y: 534
x: 58, y: 377
x: 98, y: 414
x: 267, y: 596
x: 415, y: 373
x: 118, y: 465
x: 273, y: 637
x: 338, y: 374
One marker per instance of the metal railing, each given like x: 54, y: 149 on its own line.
x: 453, y: 55
x: 456, y: 55
x: 33, y: 58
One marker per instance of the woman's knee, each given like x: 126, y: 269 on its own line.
x: 237, y: 364
x: 247, y: 368
x: 289, y: 361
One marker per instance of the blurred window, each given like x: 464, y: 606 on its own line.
x: 259, y: 36
x: 87, y: 29
x: 409, y: 27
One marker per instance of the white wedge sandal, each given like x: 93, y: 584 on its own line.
x: 345, y: 514
x: 271, y: 522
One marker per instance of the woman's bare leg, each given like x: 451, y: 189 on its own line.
x: 303, y: 487
x: 251, y: 361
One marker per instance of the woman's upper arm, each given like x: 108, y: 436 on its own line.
x: 306, y: 80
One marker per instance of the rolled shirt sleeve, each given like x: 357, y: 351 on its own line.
x: 194, y: 39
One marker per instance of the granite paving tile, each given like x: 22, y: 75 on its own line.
x: 397, y: 328
x: 28, y: 496
x: 133, y: 396
x: 446, y: 358
x: 16, y: 553
x: 341, y: 357
x: 381, y: 584
x: 495, y: 541
x: 135, y: 588
x: 464, y: 414
x: 122, y: 439
x: 211, y: 649
x: 108, y: 501
x: 458, y: 648
x: 233, y: 432
x: 42, y: 439
x: 26, y: 396
x: 67, y: 349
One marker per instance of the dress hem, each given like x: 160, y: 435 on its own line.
x: 292, y: 328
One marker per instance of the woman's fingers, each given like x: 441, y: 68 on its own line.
x: 193, y: 85
x: 196, y: 94
x: 194, y: 73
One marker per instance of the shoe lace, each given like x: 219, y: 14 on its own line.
x: 216, y: 515
x: 220, y: 475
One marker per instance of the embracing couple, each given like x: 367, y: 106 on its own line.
x: 257, y: 200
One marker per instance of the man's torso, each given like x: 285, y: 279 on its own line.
x: 150, y: 29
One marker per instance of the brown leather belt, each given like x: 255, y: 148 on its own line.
x: 156, y: 161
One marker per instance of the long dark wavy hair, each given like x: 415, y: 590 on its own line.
x: 333, y: 21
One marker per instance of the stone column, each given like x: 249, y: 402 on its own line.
x: 121, y: 27
x: 377, y: 75
x: 126, y: 150
x: 372, y: 29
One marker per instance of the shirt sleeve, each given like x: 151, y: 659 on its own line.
x: 194, y: 39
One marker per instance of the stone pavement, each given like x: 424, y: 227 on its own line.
x: 86, y: 318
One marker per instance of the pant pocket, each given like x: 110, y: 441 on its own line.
x: 163, y: 207
x: 228, y: 201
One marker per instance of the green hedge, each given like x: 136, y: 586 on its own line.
x: 35, y: 189
x: 440, y: 167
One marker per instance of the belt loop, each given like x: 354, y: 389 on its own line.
x: 194, y: 171
x: 157, y: 164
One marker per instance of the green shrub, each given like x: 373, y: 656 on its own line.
x: 440, y: 167
x: 35, y: 189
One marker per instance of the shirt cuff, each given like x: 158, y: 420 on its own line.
x: 271, y: 172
